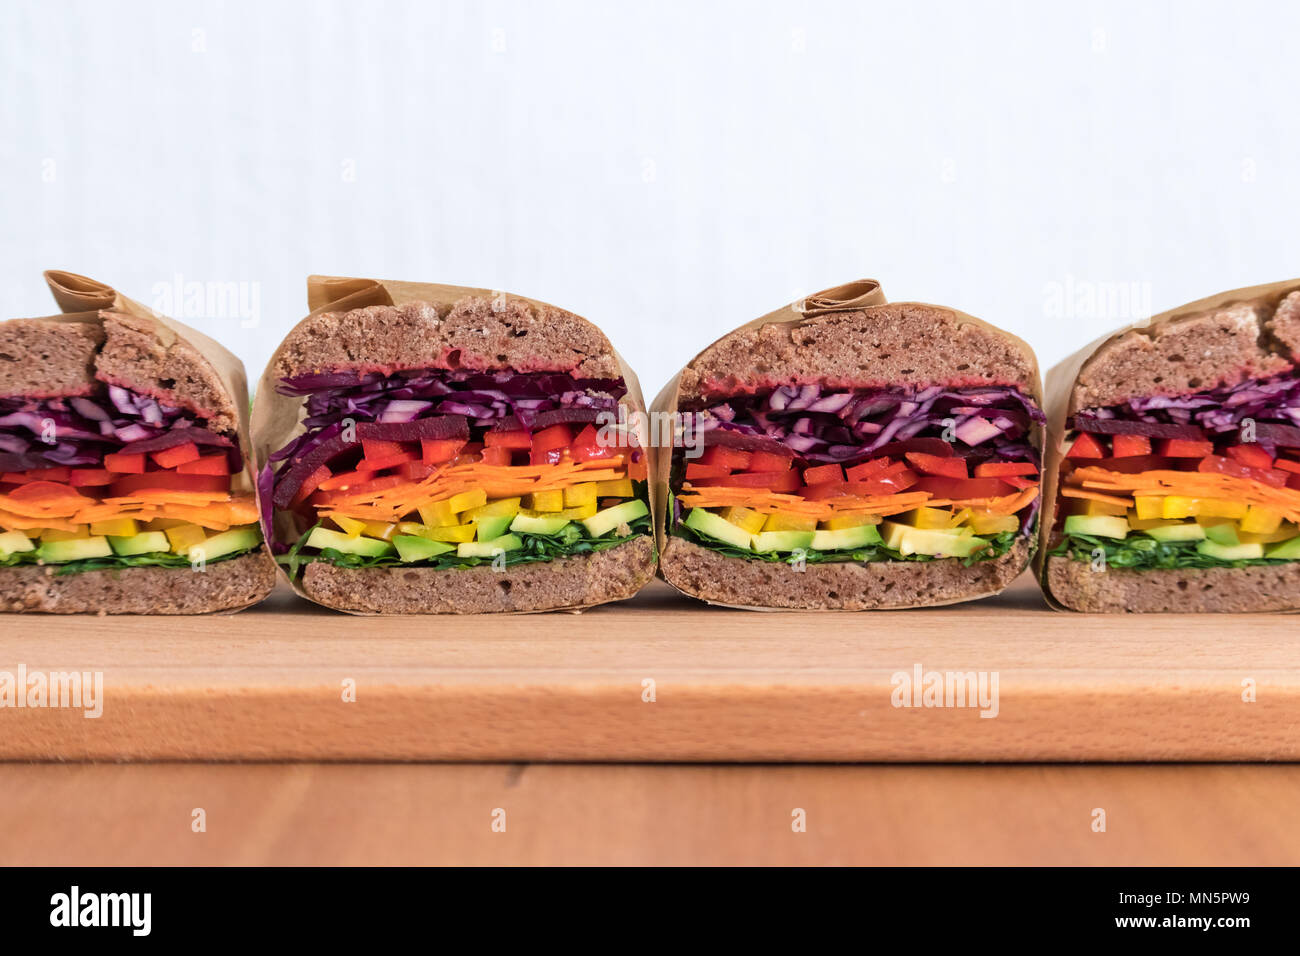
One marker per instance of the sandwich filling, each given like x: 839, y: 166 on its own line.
x: 878, y: 474
x: 118, y: 479
x: 453, y: 469
x: 1203, y: 480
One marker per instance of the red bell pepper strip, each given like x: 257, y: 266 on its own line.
x: 769, y: 461
x: 999, y: 469
x: 779, y: 481
x: 125, y: 464
x: 822, y: 474
x: 1218, y: 465
x: 91, y: 477
x: 934, y: 465
x: 1185, y: 448
x: 176, y: 455
x: 513, y: 439
x: 721, y: 455
x: 589, y: 447
x: 1086, y: 446
x: 128, y: 485
x: 869, y: 468
x: 207, y: 465
x: 435, y: 451
x: 1252, y: 455
x: 960, y: 489
x: 696, y: 470
x: 1130, y: 446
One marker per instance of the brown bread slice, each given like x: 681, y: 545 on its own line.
x: 475, y: 333
x: 901, y: 343
x: 711, y: 576
x: 43, y: 358
x: 1185, y: 590
x: 610, y: 575
x: 221, y: 586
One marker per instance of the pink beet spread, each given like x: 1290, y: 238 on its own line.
x: 731, y: 385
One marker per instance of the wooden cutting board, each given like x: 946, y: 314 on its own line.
x: 662, y: 678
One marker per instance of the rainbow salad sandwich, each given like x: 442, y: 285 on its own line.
x: 852, y: 454
x: 1174, y: 483
x: 455, y: 453
x: 124, y: 479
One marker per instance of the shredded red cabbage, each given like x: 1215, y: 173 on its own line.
x: 1273, y: 404
x: 982, y: 423
x: 80, y: 431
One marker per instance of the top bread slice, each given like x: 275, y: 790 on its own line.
x: 894, y: 344
x: 44, y: 358
x: 476, y: 334
x: 1197, y: 349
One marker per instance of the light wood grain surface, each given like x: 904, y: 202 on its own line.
x: 630, y: 814
x: 728, y: 685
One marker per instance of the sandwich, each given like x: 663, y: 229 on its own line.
x: 125, y: 481
x: 847, y: 453
x: 435, y: 449
x: 1173, y: 482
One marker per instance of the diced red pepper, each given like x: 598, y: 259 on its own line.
x: 415, y: 470
x: 435, y: 451
x: 177, y: 455
x: 1129, y: 446
x: 549, y: 444
x: 1286, y: 464
x: 822, y: 474
x: 1019, y: 481
x: 1252, y: 455
x: 732, y: 458
x: 57, y: 473
x: 961, y: 489
x: 377, y: 449
x: 1185, y: 448
x: 589, y: 447
x: 952, y: 467
x: 999, y: 469
x: 1218, y: 465
x: 779, y: 481
x: 128, y: 485
x: 496, y: 455
x: 897, y: 477
x: 207, y: 465
x: 311, y: 483
x: 89, y: 477
x: 515, y: 439
x: 1293, y: 482
x: 869, y: 468
x: 15, y: 477
x: 769, y: 461
x: 1086, y: 446
x: 696, y: 470
x: 125, y: 464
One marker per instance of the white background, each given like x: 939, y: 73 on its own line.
x: 668, y: 170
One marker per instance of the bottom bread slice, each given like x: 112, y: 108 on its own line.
x: 1191, y: 590
x: 579, y: 581
x: 711, y: 576
x: 220, y: 586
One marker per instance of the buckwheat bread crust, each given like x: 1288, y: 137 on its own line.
x: 1183, y: 591
x: 581, y: 581
x: 875, y: 585
x: 220, y: 586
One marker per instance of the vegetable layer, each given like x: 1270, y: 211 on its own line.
x: 448, y: 469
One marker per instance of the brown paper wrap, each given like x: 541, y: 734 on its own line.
x: 86, y: 300
x: 1059, y: 392
x: 861, y: 295
x: 277, y: 418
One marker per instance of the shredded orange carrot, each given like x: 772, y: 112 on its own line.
x: 1191, y: 484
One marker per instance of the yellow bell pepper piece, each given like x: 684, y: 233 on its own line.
x: 185, y: 536
x: 928, y: 518
x: 788, y: 522
x: 575, y: 496
x: 349, y: 526
x: 454, y: 533
x: 615, y: 488
x: 1259, y: 520
x: 117, y: 527
x: 850, y: 521
x: 53, y: 534
x: 438, y: 514
x: 380, y: 529
x: 994, y: 524
x: 545, y: 501
x: 501, y: 506
x: 745, y: 518
x: 1150, y: 506
x: 466, y: 500
x: 1093, y: 507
